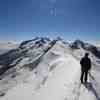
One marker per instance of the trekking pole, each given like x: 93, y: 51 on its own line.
x: 92, y: 77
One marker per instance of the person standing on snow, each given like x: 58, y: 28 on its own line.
x: 85, y: 67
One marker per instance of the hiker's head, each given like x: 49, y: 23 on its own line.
x: 86, y: 54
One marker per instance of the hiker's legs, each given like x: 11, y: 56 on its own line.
x: 86, y: 76
x: 82, y: 75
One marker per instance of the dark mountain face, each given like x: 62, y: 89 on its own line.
x: 86, y: 46
x: 36, y: 41
x: 77, y: 44
x: 27, y: 49
x: 93, y: 49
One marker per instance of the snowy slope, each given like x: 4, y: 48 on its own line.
x: 17, y: 64
x: 55, y: 77
x: 95, y: 72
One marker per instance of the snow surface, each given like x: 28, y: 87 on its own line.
x: 57, y: 77
x: 56, y: 74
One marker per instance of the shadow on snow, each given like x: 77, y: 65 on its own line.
x: 90, y: 87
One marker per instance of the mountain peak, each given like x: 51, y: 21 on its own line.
x: 77, y: 44
x: 39, y: 41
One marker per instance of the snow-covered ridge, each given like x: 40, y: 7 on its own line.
x: 24, y: 58
x: 78, y: 44
x: 38, y: 61
x: 29, y: 50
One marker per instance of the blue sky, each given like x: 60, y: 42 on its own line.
x: 70, y: 19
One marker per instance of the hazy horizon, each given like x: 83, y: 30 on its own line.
x: 66, y: 40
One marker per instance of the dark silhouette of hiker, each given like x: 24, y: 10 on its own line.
x: 85, y: 67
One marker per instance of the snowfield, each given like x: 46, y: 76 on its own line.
x: 56, y: 77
